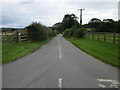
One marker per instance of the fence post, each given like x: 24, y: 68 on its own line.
x: 118, y: 39
x: 93, y: 35
x: 104, y: 36
x: 114, y: 37
x: 98, y: 35
x: 18, y: 37
x: 89, y: 35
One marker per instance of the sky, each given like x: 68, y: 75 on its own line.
x: 21, y: 13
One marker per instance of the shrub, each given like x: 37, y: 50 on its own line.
x: 82, y: 32
x: 49, y: 32
x: 67, y: 33
x: 55, y: 32
x: 74, y: 32
x: 37, y: 32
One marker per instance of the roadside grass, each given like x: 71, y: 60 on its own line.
x: 12, y: 52
x: 106, y: 52
x: 0, y: 53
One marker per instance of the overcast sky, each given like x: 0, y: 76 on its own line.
x: 20, y: 13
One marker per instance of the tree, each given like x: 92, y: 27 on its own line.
x: 107, y: 25
x: 95, y: 20
x: 69, y: 20
x: 94, y: 23
x: 102, y: 28
x: 116, y: 26
x: 108, y: 20
x: 58, y: 26
x: 13, y: 29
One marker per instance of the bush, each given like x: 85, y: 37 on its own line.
x: 38, y: 32
x: 55, y: 32
x: 79, y: 33
x: 67, y: 33
x: 74, y: 32
x: 49, y: 32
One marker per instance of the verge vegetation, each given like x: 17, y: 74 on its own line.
x: 12, y: 52
x: 106, y: 52
x: 38, y: 35
x: 76, y: 34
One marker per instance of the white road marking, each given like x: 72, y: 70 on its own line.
x: 60, y: 82
x: 103, y: 86
x: 112, y: 83
x: 60, y: 52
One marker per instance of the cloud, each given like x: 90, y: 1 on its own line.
x: 52, y: 1
x: 22, y: 13
x: 119, y: 10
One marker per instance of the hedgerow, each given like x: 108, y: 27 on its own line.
x: 39, y: 32
x: 76, y: 32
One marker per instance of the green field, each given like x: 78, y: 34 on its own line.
x: 11, y: 52
x: 106, y: 52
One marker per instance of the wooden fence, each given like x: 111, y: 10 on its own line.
x: 104, y: 36
x: 22, y: 37
x: 15, y: 36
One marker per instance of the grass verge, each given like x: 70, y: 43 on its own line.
x: 0, y: 53
x: 12, y: 52
x: 106, y: 52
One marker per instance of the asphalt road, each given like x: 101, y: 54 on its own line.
x: 59, y: 64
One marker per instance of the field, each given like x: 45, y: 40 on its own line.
x: 11, y: 52
x: 106, y: 52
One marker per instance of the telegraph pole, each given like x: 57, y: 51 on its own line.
x: 80, y: 15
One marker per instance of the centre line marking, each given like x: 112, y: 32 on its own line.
x: 60, y: 52
x: 60, y: 83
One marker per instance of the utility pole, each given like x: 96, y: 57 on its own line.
x: 80, y: 15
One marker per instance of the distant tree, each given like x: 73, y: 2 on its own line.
x: 108, y: 20
x: 58, y: 26
x: 107, y: 25
x: 117, y: 26
x: 69, y: 20
x: 13, y: 29
x: 102, y: 28
x: 95, y: 20
x: 94, y: 23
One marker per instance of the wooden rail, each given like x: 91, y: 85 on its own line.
x: 104, y: 36
x: 22, y: 37
x: 16, y: 36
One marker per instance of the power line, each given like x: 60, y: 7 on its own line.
x: 80, y: 15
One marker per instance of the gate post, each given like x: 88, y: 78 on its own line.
x: 18, y: 37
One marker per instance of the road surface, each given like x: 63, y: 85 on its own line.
x: 59, y: 64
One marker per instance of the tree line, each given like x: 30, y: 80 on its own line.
x: 107, y: 25
x: 71, y: 27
